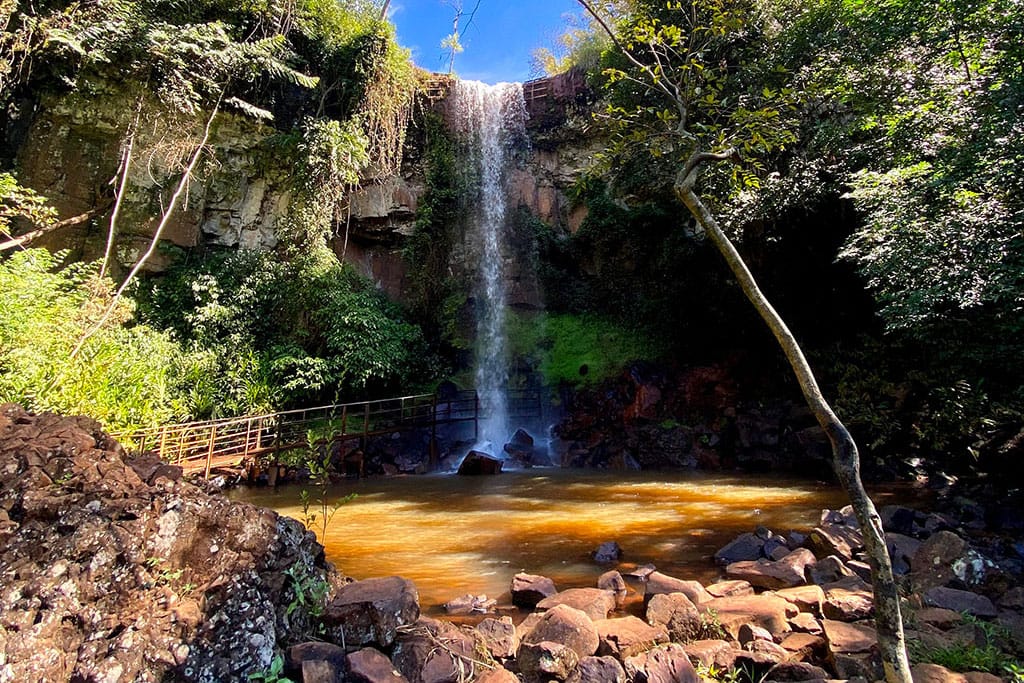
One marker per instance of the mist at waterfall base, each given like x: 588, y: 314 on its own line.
x: 492, y: 120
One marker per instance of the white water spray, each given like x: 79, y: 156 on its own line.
x: 493, y: 118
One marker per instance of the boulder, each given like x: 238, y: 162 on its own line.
x: 607, y: 552
x: 497, y: 675
x: 612, y: 581
x: 786, y: 672
x: 850, y: 599
x: 546, y: 660
x: 932, y: 563
x: 961, y: 601
x: 827, y: 570
x: 709, y: 652
x: 479, y: 463
x: 745, y: 548
x: 902, y: 549
x: 897, y: 519
x: 664, y: 664
x: 468, y: 604
x: 806, y: 623
x: 593, y: 602
x: 847, y: 638
x: 933, y: 673
x: 627, y: 637
x: 500, y: 637
x: 529, y: 589
x: 836, y: 539
x: 767, y: 611
x: 725, y: 589
x: 598, y: 670
x: 568, y: 626
x: 804, y: 645
x: 784, y: 573
x: 660, y: 584
x: 371, y: 611
x: 749, y: 633
x: 370, y: 666
x: 316, y: 651
x: 417, y: 656
x: 938, y: 617
x: 677, y: 614
x: 806, y: 598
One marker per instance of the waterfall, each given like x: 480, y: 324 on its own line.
x: 493, y: 119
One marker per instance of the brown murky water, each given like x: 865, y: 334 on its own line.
x: 454, y: 535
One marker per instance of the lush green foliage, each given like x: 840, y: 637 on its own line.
x: 908, y: 110
x: 125, y: 375
x: 17, y: 202
x: 435, y: 297
x: 271, y: 333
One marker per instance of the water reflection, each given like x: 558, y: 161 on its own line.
x: 455, y: 535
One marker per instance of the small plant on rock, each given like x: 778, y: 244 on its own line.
x: 317, y: 508
x: 273, y: 674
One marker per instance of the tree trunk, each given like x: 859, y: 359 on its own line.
x: 845, y: 458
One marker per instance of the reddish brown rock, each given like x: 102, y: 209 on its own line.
x: 784, y: 573
x: 849, y: 638
x: 938, y: 617
x: 727, y: 589
x: 661, y: 584
x: 546, y: 660
x: 848, y: 600
x: 836, y: 539
x: 500, y: 637
x: 627, y: 637
x: 676, y: 614
x: 417, y: 656
x: 708, y: 652
x: 568, y: 626
x: 598, y: 670
x: 805, y: 598
x: 785, y: 672
x: 745, y: 548
x: 828, y: 570
x: 804, y: 645
x: 371, y: 611
x: 767, y: 611
x: 370, y: 666
x: 960, y: 601
x: 806, y: 623
x: 529, y: 589
x: 497, y: 675
x: 593, y: 602
x: 932, y: 564
x: 749, y: 633
x: 664, y: 664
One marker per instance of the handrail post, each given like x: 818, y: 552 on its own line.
x: 209, y: 453
x: 163, y: 442
x: 476, y: 416
x: 248, y: 434
x: 344, y: 419
x: 366, y: 419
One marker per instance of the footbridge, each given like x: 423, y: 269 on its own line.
x: 202, y: 447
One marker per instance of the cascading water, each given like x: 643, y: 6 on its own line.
x: 493, y: 118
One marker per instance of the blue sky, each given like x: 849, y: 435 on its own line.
x: 498, y: 43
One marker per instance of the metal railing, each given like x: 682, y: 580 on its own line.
x: 206, y: 445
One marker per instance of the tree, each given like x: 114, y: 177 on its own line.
x: 684, y: 55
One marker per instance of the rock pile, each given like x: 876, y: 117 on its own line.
x: 119, y: 571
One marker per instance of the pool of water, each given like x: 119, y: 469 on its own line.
x: 454, y: 535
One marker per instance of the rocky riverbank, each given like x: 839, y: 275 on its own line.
x: 116, y: 570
